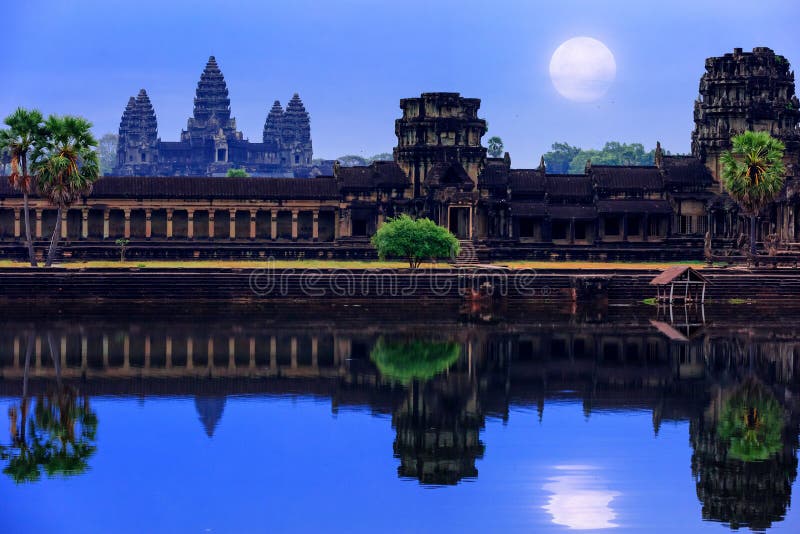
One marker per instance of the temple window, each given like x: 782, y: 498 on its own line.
x: 580, y: 229
x: 634, y: 225
x: 359, y: 228
x: 296, y: 158
x: 222, y: 154
x: 144, y: 157
x: 560, y: 229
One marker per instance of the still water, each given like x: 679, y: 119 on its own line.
x: 388, y: 418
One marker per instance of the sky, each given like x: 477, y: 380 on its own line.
x: 351, y: 61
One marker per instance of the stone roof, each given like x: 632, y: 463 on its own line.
x: 448, y: 174
x: 572, y: 212
x: 569, y: 185
x: 619, y: 177
x: 528, y: 209
x: 685, y: 170
x: 187, y: 187
x: 527, y: 181
x: 378, y: 174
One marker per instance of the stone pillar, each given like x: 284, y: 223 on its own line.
x: 232, y: 232
x: 211, y: 224
x: 210, y: 352
x: 64, y: 231
x: 127, y: 231
x: 17, y: 225
x: 106, y: 216
x: 189, y: 353
x: 84, y: 223
x: 168, y: 352
x: 38, y: 215
x: 314, y: 352
x: 572, y: 231
x: 231, y: 353
x: 646, y: 227
x: 337, y: 224
x: 190, y: 224
x: 293, y: 352
x: 295, y: 213
x: 147, y: 223
x: 273, y: 224
x: 315, y: 226
x: 105, y: 351
x: 625, y: 227
x: 169, y: 223
x: 147, y: 352
x: 126, y: 352
x: 253, y: 224
x: 273, y: 353
x: 252, y: 359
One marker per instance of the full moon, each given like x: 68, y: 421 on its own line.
x: 582, y: 69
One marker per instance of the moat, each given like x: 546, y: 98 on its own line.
x: 393, y: 417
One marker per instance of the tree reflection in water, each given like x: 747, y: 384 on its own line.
x: 745, y: 457
x: 415, y: 359
x: 58, y: 436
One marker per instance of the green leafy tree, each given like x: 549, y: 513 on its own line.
x: 383, y: 156
x: 25, y: 130
x: 753, y: 174
x: 495, y: 146
x: 559, y: 157
x: 352, y: 160
x: 415, y: 240
x: 235, y: 172
x: 107, y: 152
x: 417, y: 359
x: 66, y: 166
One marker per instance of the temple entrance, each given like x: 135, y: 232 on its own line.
x: 459, y: 222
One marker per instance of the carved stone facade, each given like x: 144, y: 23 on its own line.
x: 211, y: 144
x: 745, y: 91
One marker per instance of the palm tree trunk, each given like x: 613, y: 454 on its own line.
x: 51, y: 254
x: 753, y: 236
x: 28, y: 240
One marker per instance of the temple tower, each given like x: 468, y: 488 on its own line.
x: 137, y: 149
x: 745, y: 91
x: 296, y: 133
x: 439, y: 128
x: 273, y: 124
x: 212, y: 109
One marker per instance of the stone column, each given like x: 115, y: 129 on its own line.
x: 572, y: 231
x: 147, y: 223
x: 64, y: 231
x: 273, y: 224
x: 106, y: 216
x: 314, y: 352
x: 126, y: 352
x: 38, y: 214
x: 273, y: 353
x: 168, y: 352
x: 127, y: 231
x: 252, y: 359
x: 231, y: 353
x: 84, y: 223
x: 105, y: 351
x: 190, y: 224
x: 232, y: 215
x: 169, y: 223
x: 315, y: 226
x: 625, y: 227
x: 211, y: 224
x: 189, y: 353
x: 646, y: 227
x: 17, y: 225
x: 253, y: 224
x: 293, y: 352
x: 147, y: 352
x: 337, y: 224
x: 295, y: 213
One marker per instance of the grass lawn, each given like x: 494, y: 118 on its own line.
x: 345, y: 264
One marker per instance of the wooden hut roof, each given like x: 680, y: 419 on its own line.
x: 676, y: 273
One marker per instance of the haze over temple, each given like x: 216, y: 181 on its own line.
x: 211, y: 144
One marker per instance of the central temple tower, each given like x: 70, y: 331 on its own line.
x: 745, y: 91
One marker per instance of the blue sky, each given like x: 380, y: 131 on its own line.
x: 352, y: 60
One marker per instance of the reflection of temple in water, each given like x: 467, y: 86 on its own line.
x: 611, y: 360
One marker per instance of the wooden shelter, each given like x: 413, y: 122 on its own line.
x: 690, y: 285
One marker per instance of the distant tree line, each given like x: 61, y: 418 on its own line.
x: 564, y: 158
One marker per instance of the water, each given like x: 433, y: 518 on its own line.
x: 390, y: 418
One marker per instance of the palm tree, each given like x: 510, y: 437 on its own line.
x: 753, y: 174
x: 24, y: 132
x: 66, y: 166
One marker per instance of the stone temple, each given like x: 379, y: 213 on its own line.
x: 440, y: 170
x: 211, y: 144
